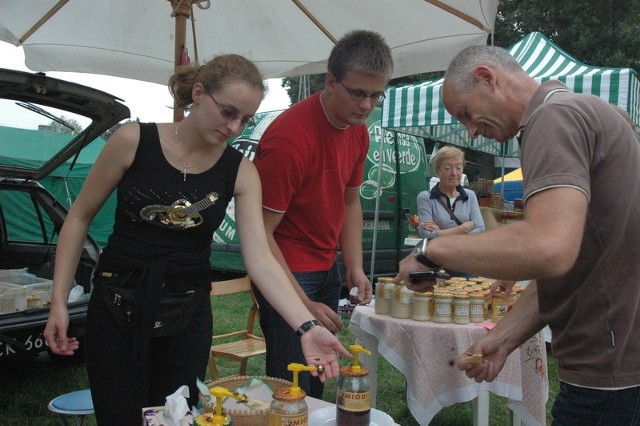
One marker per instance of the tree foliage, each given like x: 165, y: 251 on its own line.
x: 72, y: 126
x: 596, y: 32
x: 106, y: 135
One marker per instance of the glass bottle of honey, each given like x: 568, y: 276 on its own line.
x: 288, y: 406
x: 353, y: 392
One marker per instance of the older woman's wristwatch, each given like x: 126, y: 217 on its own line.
x: 420, y: 253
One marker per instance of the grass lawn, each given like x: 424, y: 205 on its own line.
x: 27, y: 385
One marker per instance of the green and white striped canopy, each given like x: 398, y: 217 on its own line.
x: 418, y: 109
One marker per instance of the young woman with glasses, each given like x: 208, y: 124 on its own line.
x: 174, y: 182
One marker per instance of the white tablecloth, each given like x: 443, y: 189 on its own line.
x: 426, y: 353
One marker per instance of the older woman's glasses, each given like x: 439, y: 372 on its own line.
x: 359, y: 95
x: 447, y: 167
x: 231, y: 113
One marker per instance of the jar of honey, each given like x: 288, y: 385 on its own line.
x: 461, y: 308
x: 288, y: 406
x: 476, y: 307
x: 353, y: 392
x: 421, y: 306
x: 401, y: 302
x: 385, y: 291
x: 442, y: 307
x: 498, y: 306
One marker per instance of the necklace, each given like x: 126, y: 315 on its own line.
x: 327, y: 115
x: 186, y: 166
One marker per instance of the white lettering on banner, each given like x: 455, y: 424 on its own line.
x: 390, y: 138
x: 408, y: 158
x: 389, y: 156
x: 403, y: 139
x: 227, y: 229
x: 382, y: 225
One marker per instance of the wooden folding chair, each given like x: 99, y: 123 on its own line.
x: 247, y: 344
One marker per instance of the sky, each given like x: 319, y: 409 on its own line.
x: 147, y: 101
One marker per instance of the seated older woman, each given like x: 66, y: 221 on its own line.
x: 449, y: 208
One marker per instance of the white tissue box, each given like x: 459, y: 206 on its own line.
x: 154, y: 416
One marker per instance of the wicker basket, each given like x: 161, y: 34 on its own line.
x: 258, y: 417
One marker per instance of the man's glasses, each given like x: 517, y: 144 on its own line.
x: 231, y: 114
x: 359, y: 95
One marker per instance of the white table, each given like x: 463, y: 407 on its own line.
x: 313, y: 404
x: 426, y: 354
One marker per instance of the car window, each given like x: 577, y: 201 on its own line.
x: 25, y: 220
x: 32, y: 134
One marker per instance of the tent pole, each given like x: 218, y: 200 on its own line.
x: 504, y: 151
x: 377, y: 208
x: 181, y: 12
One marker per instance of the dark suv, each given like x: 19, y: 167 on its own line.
x: 45, y: 125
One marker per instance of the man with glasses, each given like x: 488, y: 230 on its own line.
x: 579, y: 237
x: 311, y: 162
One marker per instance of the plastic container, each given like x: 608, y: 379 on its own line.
x: 13, y: 298
x: 353, y: 392
x: 37, y: 290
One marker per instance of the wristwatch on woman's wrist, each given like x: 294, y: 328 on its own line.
x: 306, y: 327
x: 420, y: 253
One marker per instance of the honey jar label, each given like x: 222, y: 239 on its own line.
x: 353, y: 401
x: 291, y: 420
x: 442, y: 309
x: 477, y: 309
x: 461, y: 310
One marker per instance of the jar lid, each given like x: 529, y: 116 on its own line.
x: 349, y: 372
x: 284, y: 394
x: 461, y: 295
x: 385, y: 279
x: 425, y: 294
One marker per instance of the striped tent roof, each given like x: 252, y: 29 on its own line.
x: 418, y: 109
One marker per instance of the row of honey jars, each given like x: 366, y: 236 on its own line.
x: 448, y: 303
